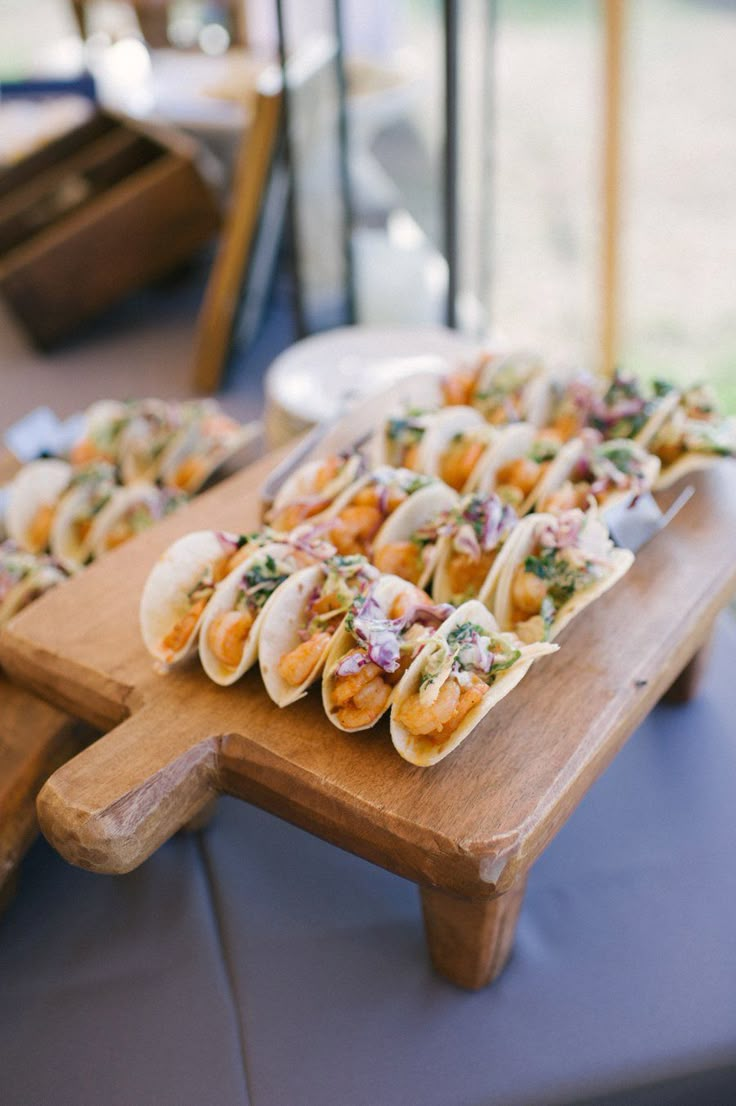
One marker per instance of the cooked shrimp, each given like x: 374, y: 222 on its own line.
x: 229, y: 563
x: 528, y: 591
x: 523, y: 473
x: 668, y: 452
x: 345, y: 687
x: 354, y: 528
x: 366, y: 706
x: 84, y: 452
x: 447, y: 711
x: 118, y: 536
x: 227, y: 635
x: 180, y: 632
x: 82, y: 527
x: 458, y: 462
x: 563, y: 499
x: 327, y: 471
x: 568, y: 496
x: 466, y: 574
x: 567, y: 424
x: 403, y: 558
x: 411, y: 456
x: 292, y: 514
x: 386, y: 499
x: 40, y: 528
x: 407, y: 599
x: 552, y: 435
x: 296, y: 666
x: 458, y: 387
x: 328, y: 601
x: 189, y: 473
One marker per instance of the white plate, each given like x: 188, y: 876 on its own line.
x: 315, y: 378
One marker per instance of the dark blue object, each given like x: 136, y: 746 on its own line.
x: 83, y: 85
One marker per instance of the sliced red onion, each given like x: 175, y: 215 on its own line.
x: 351, y: 664
x: 227, y: 540
x: 563, y: 531
x: 465, y: 541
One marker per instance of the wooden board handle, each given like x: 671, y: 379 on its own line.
x: 113, y: 805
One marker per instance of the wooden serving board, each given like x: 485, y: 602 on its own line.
x: 466, y: 830
x: 35, y: 738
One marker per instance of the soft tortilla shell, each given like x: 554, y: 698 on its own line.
x: 417, y: 511
x: 385, y: 591
x: 165, y: 597
x: 282, y: 619
x: 621, y: 562
x: 424, y: 752
x: 38, y: 484
x: 223, y: 600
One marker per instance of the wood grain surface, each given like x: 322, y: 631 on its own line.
x: 470, y: 827
x: 471, y: 824
x: 35, y: 739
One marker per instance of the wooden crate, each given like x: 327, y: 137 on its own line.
x: 101, y: 211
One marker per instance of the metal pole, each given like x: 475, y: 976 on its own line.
x: 451, y: 157
x: 291, y: 217
x: 487, y: 161
x: 614, y: 21
x: 344, y: 154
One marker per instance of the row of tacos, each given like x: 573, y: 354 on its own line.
x: 424, y: 574
x: 76, y: 515
x: 133, y: 464
x: 24, y: 577
x: 177, y: 444
x: 377, y: 641
x: 682, y: 428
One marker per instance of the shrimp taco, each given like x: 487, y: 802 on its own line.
x: 23, y: 578
x: 694, y: 436
x: 556, y: 566
x: 300, y: 620
x: 374, y: 646
x: 130, y: 511
x: 179, y: 587
x: 458, y: 386
x: 312, y: 489
x: 153, y: 427
x: 512, y: 389
x: 89, y: 490
x: 33, y: 499
x: 610, y: 472
x: 399, y: 441
x: 357, y: 515
x: 572, y: 395
x: 472, y: 537
x: 211, y: 439
x: 454, y: 445
x: 228, y: 642
x: 467, y: 667
x: 407, y: 543
x: 104, y: 423
x: 624, y: 411
x: 516, y: 465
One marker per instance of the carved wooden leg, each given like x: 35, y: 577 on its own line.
x: 8, y: 890
x: 202, y: 819
x: 470, y: 939
x: 687, y: 683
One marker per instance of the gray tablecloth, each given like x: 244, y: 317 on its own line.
x: 255, y: 964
